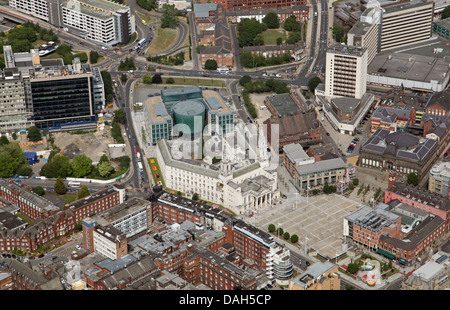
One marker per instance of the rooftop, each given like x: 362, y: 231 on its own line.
x: 283, y: 104
x: 322, y: 165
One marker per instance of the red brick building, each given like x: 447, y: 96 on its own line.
x: 255, y: 4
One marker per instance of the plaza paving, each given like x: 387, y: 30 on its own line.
x: 318, y: 218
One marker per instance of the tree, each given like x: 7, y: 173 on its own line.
x: 271, y: 228
x: 338, y: 33
x: 170, y: 80
x: 169, y: 17
x: 83, y: 192
x: 271, y: 20
x: 211, y: 64
x: 4, y: 140
x: 82, y: 166
x: 39, y: 190
x: 353, y: 268
x: 60, y: 187
x: 123, y: 78
x: 119, y: 116
x: 446, y: 12
x: 105, y: 169
x: 58, y: 166
x: 286, y: 235
x: 412, y: 179
x: 244, y: 80
x: 103, y: 158
x: 157, y: 79
x: 94, y: 56
x: 279, y: 41
x: 294, y: 238
x: 195, y: 196
x: 291, y: 24
x: 34, y: 134
x: 24, y: 170
x: 313, y: 83
x: 248, y: 29
x: 11, y: 158
x: 355, y: 181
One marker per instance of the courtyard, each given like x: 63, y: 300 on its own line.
x: 317, y: 218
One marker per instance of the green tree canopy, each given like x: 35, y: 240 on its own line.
x: 412, y: 179
x: 248, y: 29
x: 11, y: 157
x: 313, y: 82
x: 169, y: 16
x: 291, y: 24
x: 245, y: 79
x: 34, y: 134
x: 446, y: 12
x: 58, y: 166
x: 271, y: 20
x: 82, y: 166
x: 211, y: 64
x: 4, y: 140
x: 156, y: 79
x: 83, y: 192
x: 271, y: 228
x: 105, y: 169
x: 39, y: 190
x: 119, y: 116
x: 60, y: 187
x: 338, y: 33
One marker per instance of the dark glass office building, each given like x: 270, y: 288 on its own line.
x: 63, y: 103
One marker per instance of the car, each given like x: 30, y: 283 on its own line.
x: 328, y: 134
x: 308, y: 263
x: 283, y: 196
x: 42, y: 255
x: 78, y: 247
x: 205, y: 74
x: 74, y: 252
x: 356, y: 139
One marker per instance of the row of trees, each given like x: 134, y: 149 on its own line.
x: 280, y: 232
x: 249, y: 60
x: 127, y: 64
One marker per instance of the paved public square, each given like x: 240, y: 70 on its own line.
x: 317, y: 218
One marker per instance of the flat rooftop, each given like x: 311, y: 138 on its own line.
x: 283, y: 104
x: 410, y: 67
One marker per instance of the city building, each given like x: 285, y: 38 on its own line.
x: 399, y: 151
x: 102, y: 21
x: 420, y: 198
x: 57, y: 96
x: 317, y: 174
x: 189, y: 109
x: 301, y: 13
x: 390, y: 118
x: 346, y: 71
x: 439, y: 179
x: 294, y: 155
x: 16, y: 111
x: 394, y: 229
x: 319, y: 276
x: 438, y: 104
x: 366, y: 32
x: 180, y: 5
x: 410, y: 71
x: 442, y: 28
x: 242, y: 186
x: 344, y: 113
x: 220, y: 49
x: 432, y: 275
x: 243, y: 244
x: 295, y: 50
x: 282, y: 104
x: 105, y: 240
x: 254, y: 4
x: 297, y: 128
x: 406, y: 23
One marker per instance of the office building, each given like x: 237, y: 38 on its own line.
x: 193, y: 110
x: 16, y: 112
x: 346, y: 71
x: 344, y: 113
x: 57, y: 96
x: 367, y: 32
x: 406, y: 23
x: 442, y: 28
x: 102, y: 21
x: 317, y: 174
x: 439, y: 179
x: 294, y: 155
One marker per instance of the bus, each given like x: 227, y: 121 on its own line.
x: 141, y: 168
x: 74, y: 184
x: 223, y: 70
x: 141, y: 42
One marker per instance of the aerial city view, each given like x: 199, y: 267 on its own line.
x: 225, y: 145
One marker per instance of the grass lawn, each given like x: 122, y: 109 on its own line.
x: 166, y: 37
x: 270, y: 36
x: 196, y: 81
